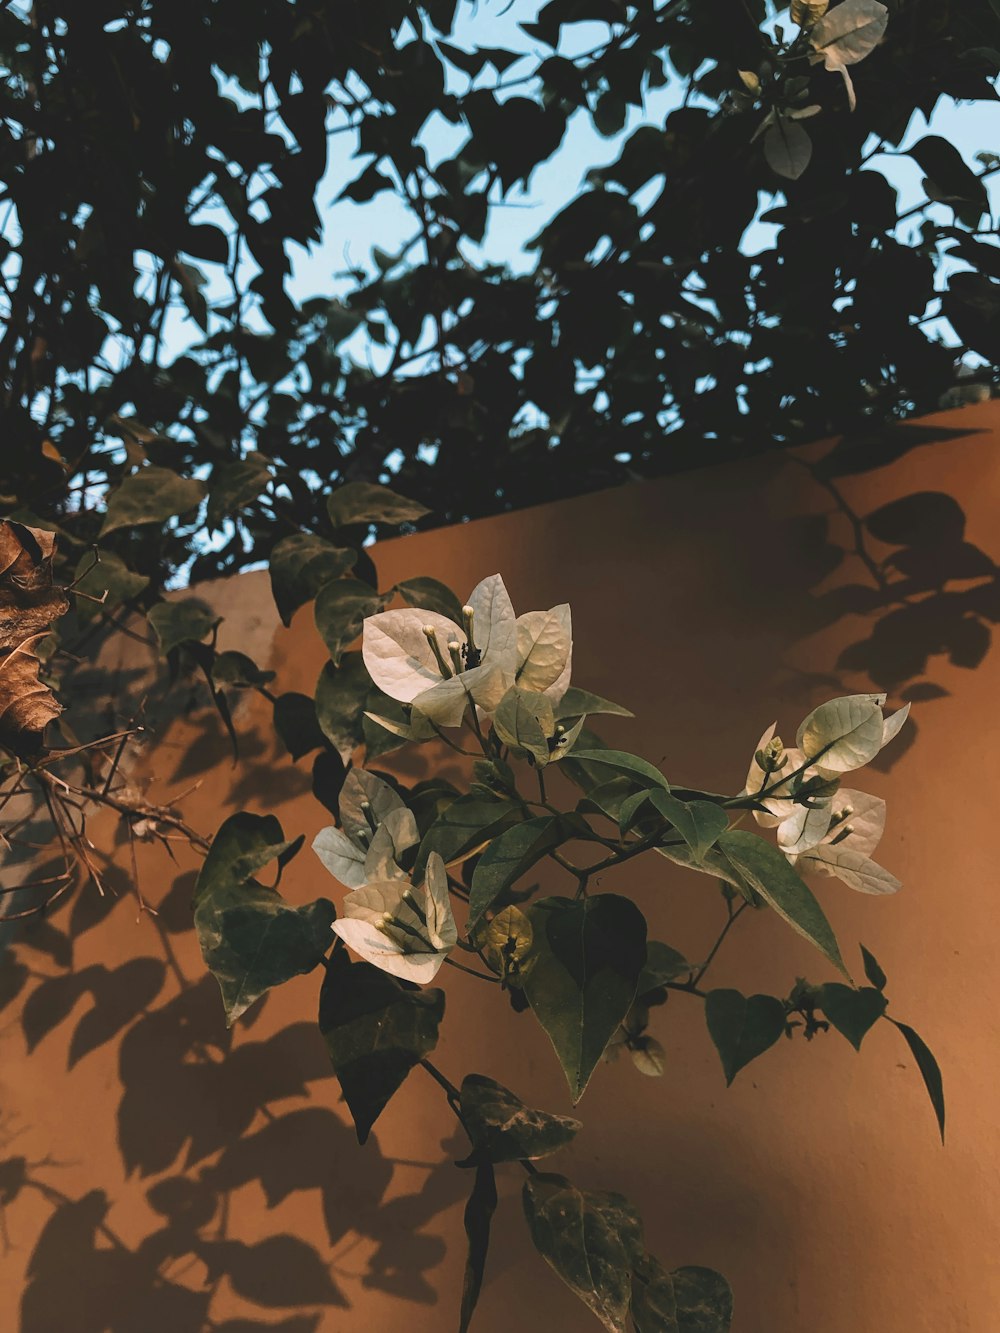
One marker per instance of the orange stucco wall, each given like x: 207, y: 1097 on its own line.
x: 174, y: 1186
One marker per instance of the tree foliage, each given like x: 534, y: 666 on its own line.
x: 162, y: 161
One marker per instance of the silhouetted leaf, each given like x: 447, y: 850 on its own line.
x: 478, y: 1216
x: 376, y: 1029
x: 742, y: 1028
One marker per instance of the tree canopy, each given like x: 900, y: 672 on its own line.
x: 158, y: 157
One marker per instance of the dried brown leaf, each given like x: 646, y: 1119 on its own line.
x: 29, y: 602
x: 27, y: 705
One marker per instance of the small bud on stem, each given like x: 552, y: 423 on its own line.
x: 430, y: 634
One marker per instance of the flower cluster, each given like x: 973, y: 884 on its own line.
x: 820, y: 825
x: 404, y: 929
x: 440, y: 667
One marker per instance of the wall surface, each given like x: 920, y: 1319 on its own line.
x: 180, y: 1179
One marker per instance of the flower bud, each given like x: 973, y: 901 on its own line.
x: 771, y: 757
x: 430, y: 634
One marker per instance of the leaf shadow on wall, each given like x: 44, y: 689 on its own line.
x: 206, y: 1115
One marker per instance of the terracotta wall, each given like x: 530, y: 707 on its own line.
x: 180, y: 1180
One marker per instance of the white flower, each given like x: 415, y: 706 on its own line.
x: 545, y: 652
x: 855, y: 824
x: 425, y: 659
x: 401, y: 929
x: 837, y: 737
x: 376, y: 827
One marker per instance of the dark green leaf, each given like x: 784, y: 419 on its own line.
x: 296, y: 724
x: 341, y: 610
x: 151, y: 495
x: 578, y: 703
x: 341, y: 694
x: 654, y: 1305
x: 235, y: 485
x: 328, y: 774
x: 503, y: 1129
x: 578, y: 1234
x: 955, y: 182
x: 662, y: 964
x: 581, y: 973
x: 376, y: 1029
x: 174, y: 623
x: 478, y: 1217
x: 704, y: 1301
x: 852, y: 1012
x: 768, y: 873
x: 509, y: 856
x: 463, y: 827
x: 742, y: 1028
x: 929, y: 1070
x: 238, y: 671
x: 698, y: 822
x: 250, y: 938
x: 361, y: 502
x: 603, y: 763
x: 300, y: 565
x: 872, y: 970
x: 431, y: 595
x: 109, y: 578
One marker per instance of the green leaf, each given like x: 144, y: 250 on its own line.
x: 341, y: 610
x: 341, y: 694
x: 503, y: 1129
x: 236, y: 485
x: 110, y: 576
x: 243, y: 845
x: 872, y: 970
x: 238, y: 671
x: 174, y: 623
x: 713, y: 862
x: 929, y: 1070
x: 787, y: 147
x: 296, y: 724
x: 362, y: 502
x: 629, y: 809
x: 768, y: 873
x: 478, y: 1217
x: 852, y: 1012
x: 250, y: 938
x: 578, y: 703
x: 509, y: 856
x: 704, y: 1301
x: 376, y: 1029
x: 581, y: 973
x: 463, y: 827
x: 608, y: 798
x: 151, y: 495
x: 387, y: 724
x: 700, y: 823
x: 524, y: 720
x: 431, y: 595
x: 300, y: 565
x: 654, y: 1304
x: 662, y: 964
x: 603, y: 763
x: 742, y: 1028
x: 580, y: 1238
